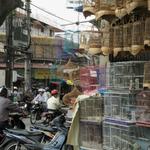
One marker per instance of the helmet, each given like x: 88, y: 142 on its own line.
x: 3, y: 91
x: 41, y: 90
x: 54, y: 92
x: 15, y: 88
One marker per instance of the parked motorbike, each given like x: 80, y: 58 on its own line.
x: 24, y: 141
x: 36, y: 112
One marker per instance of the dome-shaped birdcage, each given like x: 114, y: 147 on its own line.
x: 84, y: 40
x: 137, y: 37
x: 120, y: 10
x: 147, y: 32
x: 105, y: 8
x: 132, y: 4
x: 127, y: 37
x: 88, y: 7
x: 118, y: 39
x: 107, y: 39
x: 95, y: 43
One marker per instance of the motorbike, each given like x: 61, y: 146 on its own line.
x: 23, y: 141
x: 36, y: 112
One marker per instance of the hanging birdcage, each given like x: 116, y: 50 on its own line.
x: 84, y: 40
x: 105, y: 8
x: 107, y: 39
x: 88, y: 7
x: 120, y: 8
x: 147, y: 32
x: 137, y: 37
x: 127, y: 37
x: 148, y: 4
x: 132, y: 4
x: 95, y: 43
x: 147, y: 75
x: 118, y: 39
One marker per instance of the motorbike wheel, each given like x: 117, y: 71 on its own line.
x: 33, y: 117
x: 14, y: 145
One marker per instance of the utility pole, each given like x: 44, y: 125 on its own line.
x: 27, y: 71
x: 9, y: 52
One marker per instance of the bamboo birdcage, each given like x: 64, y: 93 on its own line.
x: 137, y: 37
x: 105, y: 8
x: 118, y: 39
x: 127, y: 37
x: 107, y: 39
x: 88, y: 7
x: 132, y: 4
x: 84, y: 39
x: 95, y: 43
x: 147, y: 32
x: 120, y: 8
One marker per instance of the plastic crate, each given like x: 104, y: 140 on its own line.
x: 91, y: 108
x: 120, y: 105
x: 91, y: 135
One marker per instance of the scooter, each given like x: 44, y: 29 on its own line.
x: 21, y: 141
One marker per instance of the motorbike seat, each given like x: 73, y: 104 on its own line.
x: 24, y: 132
x: 49, y: 129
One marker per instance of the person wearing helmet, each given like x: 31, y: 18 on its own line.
x: 16, y: 95
x: 6, y: 106
x: 53, y: 102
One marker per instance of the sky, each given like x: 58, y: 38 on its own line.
x: 58, y: 7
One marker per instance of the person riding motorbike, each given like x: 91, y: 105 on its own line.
x: 53, y: 103
x: 6, y: 106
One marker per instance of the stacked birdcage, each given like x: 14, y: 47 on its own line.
x: 126, y: 75
x: 118, y: 135
x: 91, y: 112
x: 88, y: 7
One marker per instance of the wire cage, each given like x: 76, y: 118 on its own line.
x: 90, y: 135
x: 147, y: 32
x: 107, y: 38
x: 120, y: 10
x: 92, y: 78
x: 143, y: 108
x: 94, y: 42
x: 91, y: 108
x: 126, y: 75
x: 138, y: 29
x: 147, y: 75
x: 118, y: 39
x: 118, y: 136
x: 105, y: 8
x: 88, y: 7
x: 120, y: 105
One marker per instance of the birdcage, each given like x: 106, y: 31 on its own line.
x: 127, y: 37
x: 94, y: 43
x: 118, y: 135
x: 137, y: 37
x: 118, y: 39
x: 143, y: 108
x: 84, y: 40
x: 120, y: 105
x: 91, y: 108
x: 90, y: 135
x: 107, y: 38
x: 120, y: 8
x: 88, y: 7
x: 148, y: 4
x: 147, y: 75
x: 132, y: 4
x: 105, y: 8
x: 89, y: 79
x: 126, y: 75
x: 147, y: 32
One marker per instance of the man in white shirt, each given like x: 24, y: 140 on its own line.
x: 53, y: 102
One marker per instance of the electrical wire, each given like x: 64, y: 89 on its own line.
x: 50, y: 13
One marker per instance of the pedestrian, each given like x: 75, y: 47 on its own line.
x: 16, y: 95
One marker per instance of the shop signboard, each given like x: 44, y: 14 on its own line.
x: 41, y: 74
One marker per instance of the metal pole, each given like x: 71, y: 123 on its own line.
x: 9, y: 52
x: 27, y: 72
